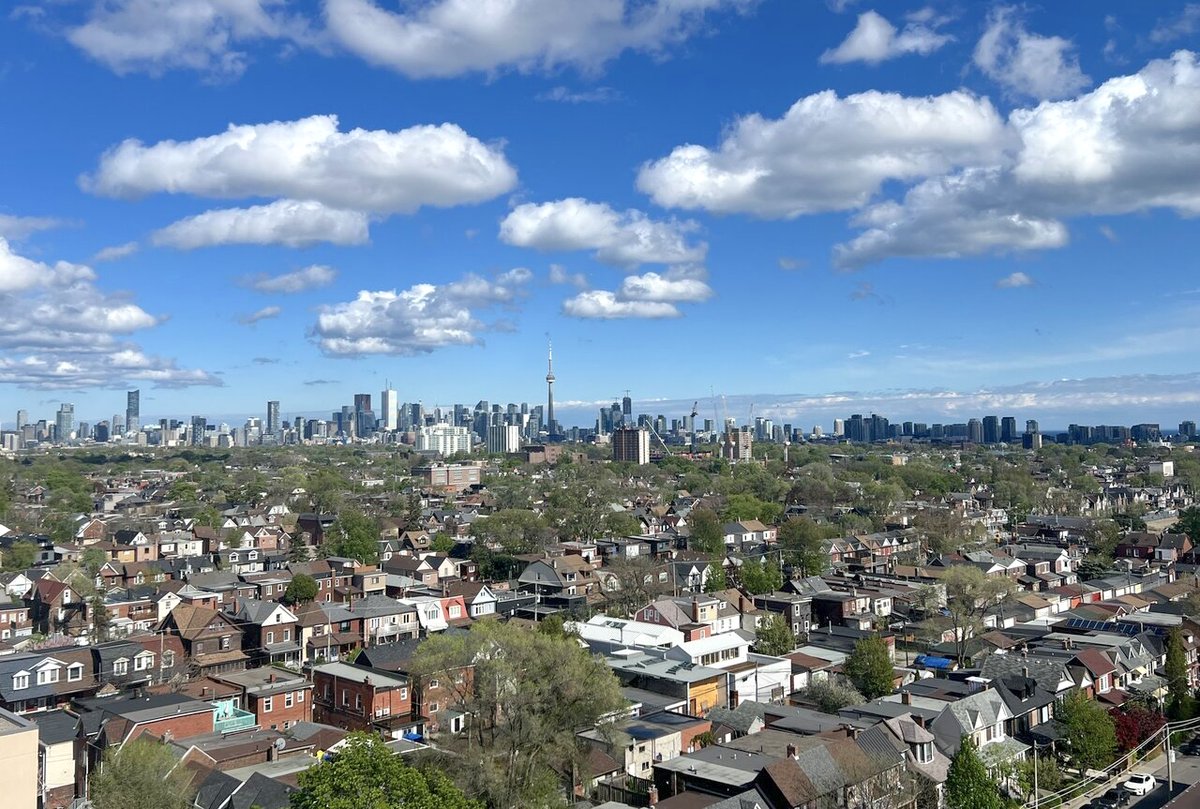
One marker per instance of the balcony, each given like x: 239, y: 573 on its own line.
x: 228, y: 718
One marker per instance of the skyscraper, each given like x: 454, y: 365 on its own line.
x: 390, y: 413
x: 991, y: 429
x: 133, y: 410
x: 22, y: 419
x: 199, y: 431
x: 65, y: 422
x: 1008, y: 429
x: 273, y: 418
x: 551, y: 424
x: 627, y: 410
x: 975, y: 431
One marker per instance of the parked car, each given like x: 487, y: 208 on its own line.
x: 1190, y: 748
x: 1140, y: 783
x: 1114, y: 798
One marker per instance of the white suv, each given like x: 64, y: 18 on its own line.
x: 1140, y: 783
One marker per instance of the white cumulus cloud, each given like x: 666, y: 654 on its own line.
x: 1014, y: 281
x: 624, y: 238
x: 18, y: 228
x: 1028, y: 64
x: 827, y: 153
x: 115, y: 252
x: 266, y: 313
x: 599, y: 304
x: 876, y: 40
x: 441, y: 38
x: 312, y: 159
x: 417, y: 320
x: 154, y: 36
x: 286, y: 222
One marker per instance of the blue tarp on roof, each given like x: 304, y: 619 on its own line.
x: 931, y: 662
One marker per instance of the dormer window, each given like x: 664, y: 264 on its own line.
x: 233, y: 557
x: 20, y: 680
x: 47, y: 675
x: 120, y: 667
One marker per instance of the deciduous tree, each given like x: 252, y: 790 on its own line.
x: 365, y: 774
x: 761, y: 576
x: 968, y: 784
x: 141, y: 774
x: 870, y: 668
x: 969, y: 595
x: 301, y: 589
x: 1091, y: 735
x: 774, y: 636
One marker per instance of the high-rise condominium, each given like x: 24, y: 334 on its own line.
x: 133, y: 410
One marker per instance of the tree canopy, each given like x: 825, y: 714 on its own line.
x: 968, y: 784
x: 141, y: 774
x: 365, y: 774
x: 1091, y: 735
x: 301, y: 589
x: 869, y: 667
x: 774, y: 636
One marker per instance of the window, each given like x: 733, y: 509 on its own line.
x: 20, y: 681
x: 287, y: 635
x: 168, y: 660
x: 433, y: 707
x: 270, y: 637
x: 403, y: 693
x: 143, y: 661
x: 455, y: 611
x: 300, y: 696
x: 47, y: 675
x: 120, y: 667
x: 288, y: 700
x: 225, y: 643
x: 74, y: 672
x: 345, y: 697
x: 433, y: 684
x: 267, y: 704
x: 358, y: 702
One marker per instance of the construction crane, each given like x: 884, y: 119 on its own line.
x: 695, y: 412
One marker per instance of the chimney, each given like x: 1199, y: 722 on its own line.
x: 906, y: 697
x: 652, y: 796
x: 695, y: 610
x: 1025, y: 672
x: 792, y: 752
x: 271, y: 677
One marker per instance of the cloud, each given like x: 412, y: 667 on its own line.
x: 443, y: 38
x: 58, y: 330
x: 265, y: 361
x: 791, y: 263
x: 1015, y: 280
x: 285, y: 222
x: 417, y: 320
x: 1027, y: 64
x: 1108, y: 233
x: 604, y: 305
x: 827, y: 154
x: 115, y: 252
x: 314, y: 276
x: 597, y: 95
x: 1185, y: 24
x: 311, y: 159
x: 559, y: 275
x: 625, y: 239
x: 154, y: 36
x: 19, y: 228
x: 18, y: 273
x: 320, y: 382
x: 650, y: 295
x: 266, y: 313
x: 670, y: 288
x: 1124, y: 147
x: 876, y: 40
x: 858, y: 355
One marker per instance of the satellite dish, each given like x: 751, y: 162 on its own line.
x: 280, y: 743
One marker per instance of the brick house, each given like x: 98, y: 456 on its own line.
x: 359, y: 698
x: 211, y: 640
x: 278, y: 698
x: 433, y: 696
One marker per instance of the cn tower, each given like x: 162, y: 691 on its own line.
x: 550, y: 425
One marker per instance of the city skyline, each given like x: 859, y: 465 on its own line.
x: 923, y: 210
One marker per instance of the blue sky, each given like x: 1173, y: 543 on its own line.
x: 935, y: 210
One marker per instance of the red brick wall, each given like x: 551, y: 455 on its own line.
x: 341, y: 709
x: 180, y: 727
x: 280, y: 715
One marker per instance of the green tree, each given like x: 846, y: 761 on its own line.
x: 354, y: 535
x: 717, y: 579
x: 301, y: 589
x: 527, y: 696
x: 707, y: 535
x: 141, y: 774
x: 92, y: 560
x: 1189, y: 523
x: 1091, y: 735
x: 622, y: 524
x: 968, y: 784
x: 830, y: 695
x: 869, y: 667
x: 748, y: 507
x: 365, y: 774
x: 101, y: 620
x: 21, y: 555
x: 803, y: 544
x: 774, y: 636
x: 760, y: 576
x: 442, y: 543
x: 513, y: 530
x: 1180, y: 704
